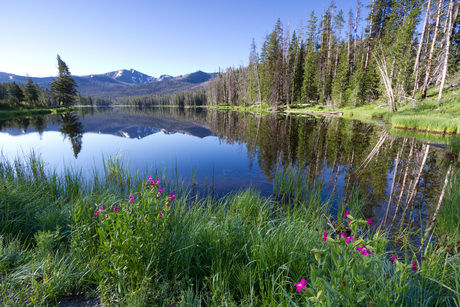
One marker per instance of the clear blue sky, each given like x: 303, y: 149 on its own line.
x: 155, y: 37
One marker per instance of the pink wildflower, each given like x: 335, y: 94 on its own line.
x: 364, y: 251
x: 347, y: 214
x: 393, y: 258
x: 101, y: 208
x: 343, y: 235
x: 414, y: 266
x: 172, y: 196
x: 160, y: 190
x: 159, y: 214
x: 150, y: 178
x: 325, y: 237
x: 115, y: 208
x: 349, y: 239
x: 131, y: 198
x: 301, y: 285
x: 158, y: 182
x: 167, y: 205
x: 96, y: 213
x: 369, y: 222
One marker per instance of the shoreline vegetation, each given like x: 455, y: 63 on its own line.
x: 7, y: 114
x: 142, y: 240
x: 426, y: 117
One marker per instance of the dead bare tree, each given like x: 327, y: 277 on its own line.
x: 419, y: 51
x: 383, y: 69
x: 448, y: 35
x: 430, y: 57
x: 357, y: 16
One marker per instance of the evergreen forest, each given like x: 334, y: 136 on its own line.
x: 405, y: 48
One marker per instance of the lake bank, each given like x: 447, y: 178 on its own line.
x: 423, y: 116
x: 7, y: 114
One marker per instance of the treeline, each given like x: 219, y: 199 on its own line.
x: 16, y: 96
x: 92, y: 101
x: 320, y: 64
x: 22, y: 96
x: 181, y: 99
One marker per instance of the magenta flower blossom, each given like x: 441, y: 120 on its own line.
x: 369, y: 222
x: 325, y: 237
x: 393, y: 258
x: 346, y: 214
x: 343, y: 235
x: 172, y: 196
x: 160, y: 190
x: 159, y: 214
x: 349, y: 239
x: 152, y: 182
x: 167, y: 205
x: 131, y: 198
x: 158, y: 182
x: 364, y: 251
x: 414, y: 266
x: 101, y: 208
x: 115, y: 208
x: 96, y: 213
x: 150, y: 178
x: 301, y: 285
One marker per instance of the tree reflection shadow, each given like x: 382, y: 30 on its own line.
x: 71, y: 126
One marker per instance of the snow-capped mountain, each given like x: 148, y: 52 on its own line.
x: 131, y: 76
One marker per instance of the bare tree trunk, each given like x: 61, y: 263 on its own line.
x: 430, y: 58
x: 358, y: 8
x: 350, y: 24
x: 369, y: 38
x: 450, y: 21
x: 419, y: 51
x: 383, y: 68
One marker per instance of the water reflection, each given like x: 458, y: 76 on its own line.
x: 399, y: 176
x: 71, y: 127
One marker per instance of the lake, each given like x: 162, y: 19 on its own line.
x: 220, y: 152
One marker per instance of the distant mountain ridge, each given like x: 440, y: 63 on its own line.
x: 123, y: 83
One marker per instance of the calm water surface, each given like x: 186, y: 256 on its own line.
x: 227, y: 151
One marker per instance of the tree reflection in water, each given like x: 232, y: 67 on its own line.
x: 71, y: 126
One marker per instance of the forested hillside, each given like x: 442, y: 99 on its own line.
x: 406, y: 47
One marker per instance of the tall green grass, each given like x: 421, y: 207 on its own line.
x: 239, y: 250
x: 427, y: 123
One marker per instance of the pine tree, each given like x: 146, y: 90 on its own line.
x: 15, y: 93
x: 309, y: 88
x: 64, y: 87
x: 341, y: 80
x: 31, y: 91
x: 272, y: 66
x: 254, y: 92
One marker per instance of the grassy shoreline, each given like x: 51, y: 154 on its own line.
x: 61, y: 235
x: 425, y: 116
x: 6, y: 114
